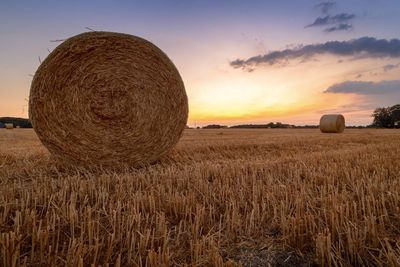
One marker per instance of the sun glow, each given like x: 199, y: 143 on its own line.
x: 260, y: 95
x: 236, y: 98
x: 292, y: 94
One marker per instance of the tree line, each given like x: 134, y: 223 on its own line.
x: 388, y: 117
x: 383, y: 117
x: 21, y: 122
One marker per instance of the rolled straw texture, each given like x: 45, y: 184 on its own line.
x: 108, y: 99
x: 332, y: 123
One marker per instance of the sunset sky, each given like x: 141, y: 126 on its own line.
x: 241, y: 61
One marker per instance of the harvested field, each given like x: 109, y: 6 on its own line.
x: 223, y: 198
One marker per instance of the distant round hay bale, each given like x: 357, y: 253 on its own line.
x: 9, y: 126
x: 332, y: 123
x: 106, y: 99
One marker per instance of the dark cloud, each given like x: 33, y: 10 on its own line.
x: 342, y: 17
x: 330, y: 20
x: 390, y: 67
x: 338, y: 22
x: 365, y: 88
x: 320, y: 21
x: 370, y: 95
x: 340, y: 27
x: 361, y: 48
x: 325, y: 7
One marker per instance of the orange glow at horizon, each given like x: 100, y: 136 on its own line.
x: 291, y: 93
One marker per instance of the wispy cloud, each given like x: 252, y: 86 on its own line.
x: 330, y: 20
x: 325, y: 7
x: 362, y: 48
x: 340, y: 27
x: 337, y: 22
x: 354, y: 107
x: 390, y: 67
x: 365, y: 87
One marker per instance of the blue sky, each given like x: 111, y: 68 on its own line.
x: 204, y: 37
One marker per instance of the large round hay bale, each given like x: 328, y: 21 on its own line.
x: 332, y: 123
x: 106, y: 99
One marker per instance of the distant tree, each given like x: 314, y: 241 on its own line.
x: 386, y: 117
x: 263, y: 126
x: 395, y: 111
x: 382, y: 118
x: 21, y: 122
x: 214, y: 126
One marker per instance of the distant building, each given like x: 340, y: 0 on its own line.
x: 9, y: 125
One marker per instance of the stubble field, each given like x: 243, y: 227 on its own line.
x: 228, y: 197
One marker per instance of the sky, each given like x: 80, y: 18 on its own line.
x: 241, y: 61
